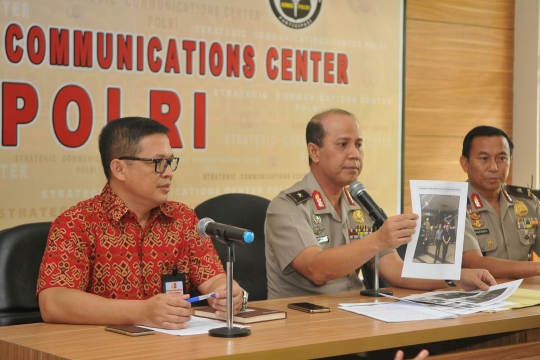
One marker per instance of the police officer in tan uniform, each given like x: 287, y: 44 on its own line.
x: 504, y: 217
x: 317, y: 237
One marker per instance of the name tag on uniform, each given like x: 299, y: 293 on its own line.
x: 322, y: 239
x: 481, y: 231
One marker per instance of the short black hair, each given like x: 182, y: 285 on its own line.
x: 483, y: 130
x: 315, y: 130
x: 122, y: 137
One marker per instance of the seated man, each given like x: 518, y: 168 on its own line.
x: 308, y: 246
x: 504, y: 217
x: 105, y: 256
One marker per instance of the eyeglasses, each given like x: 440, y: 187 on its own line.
x: 161, y: 163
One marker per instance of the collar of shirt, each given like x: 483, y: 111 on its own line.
x: 116, y: 209
x: 504, y: 198
x: 313, y: 185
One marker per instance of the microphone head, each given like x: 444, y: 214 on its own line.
x: 201, y: 226
x: 248, y: 237
x: 356, y: 188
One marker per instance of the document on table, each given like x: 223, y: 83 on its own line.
x: 437, y: 304
x: 396, y: 311
x: 196, y: 326
x: 467, y: 302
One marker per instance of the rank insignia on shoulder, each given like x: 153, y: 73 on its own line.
x: 299, y: 196
x: 519, y: 191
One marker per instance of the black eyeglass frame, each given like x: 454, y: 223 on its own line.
x: 156, y: 161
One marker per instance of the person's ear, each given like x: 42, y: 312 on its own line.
x: 313, y: 152
x: 464, y: 163
x: 118, y: 169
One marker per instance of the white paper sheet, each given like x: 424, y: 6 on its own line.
x: 442, y: 202
x: 196, y: 326
x: 397, y: 312
x: 444, y: 304
x: 467, y: 302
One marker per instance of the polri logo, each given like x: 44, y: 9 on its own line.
x: 296, y: 14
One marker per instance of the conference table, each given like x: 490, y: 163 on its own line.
x: 508, y: 334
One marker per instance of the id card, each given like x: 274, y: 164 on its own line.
x: 173, y: 283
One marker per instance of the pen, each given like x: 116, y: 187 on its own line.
x: 202, y: 297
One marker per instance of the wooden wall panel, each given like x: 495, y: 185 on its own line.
x: 458, y: 74
x: 486, y: 13
x: 454, y: 45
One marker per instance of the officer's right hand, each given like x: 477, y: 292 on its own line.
x: 397, y: 230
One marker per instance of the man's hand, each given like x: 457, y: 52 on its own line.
x: 472, y: 279
x: 397, y: 230
x: 421, y: 355
x: 166, y: 311
x: 220, y: 301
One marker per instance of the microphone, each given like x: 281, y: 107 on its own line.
x: 223, y: 233
x: 358, y: 191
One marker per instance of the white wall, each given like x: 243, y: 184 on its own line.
x: 526, y: 127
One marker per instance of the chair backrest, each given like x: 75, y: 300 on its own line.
x: 21, y: 251
x: 369, y: 281
x: 248, y: 212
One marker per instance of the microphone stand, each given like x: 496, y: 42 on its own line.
x: 375, y: 291
x: 230, y: 330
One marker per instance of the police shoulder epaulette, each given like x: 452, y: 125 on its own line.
x: 299, y: 196
x: 519, y: 191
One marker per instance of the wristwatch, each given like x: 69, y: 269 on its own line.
x: 245, y: 296
x: 450, y: 283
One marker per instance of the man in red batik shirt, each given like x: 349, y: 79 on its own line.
x: 105, y: 256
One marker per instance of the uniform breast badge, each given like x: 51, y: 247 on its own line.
x: 358, y: 216
x: 520, y: 209
x: 317, y: 226
x: 476, y: 219
x: 491, y: 243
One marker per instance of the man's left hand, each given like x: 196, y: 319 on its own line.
x: 472, y: 279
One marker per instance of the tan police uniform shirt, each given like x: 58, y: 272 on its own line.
x: 512, y: 235
x: 300, y: 217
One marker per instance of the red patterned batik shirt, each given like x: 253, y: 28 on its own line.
x: 99, y: 247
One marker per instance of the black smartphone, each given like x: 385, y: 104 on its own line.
x: 130, y: 330
x: 309, y: 307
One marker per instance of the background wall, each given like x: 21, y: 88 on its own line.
x: 235, y: 81
x: 458, y: 74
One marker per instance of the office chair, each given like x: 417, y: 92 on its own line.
x: 248, y: 212
x: 21, y: 251
x: 367, y: 273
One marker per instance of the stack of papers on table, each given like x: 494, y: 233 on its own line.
x: 196, y: 326
x: 436, y: 305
